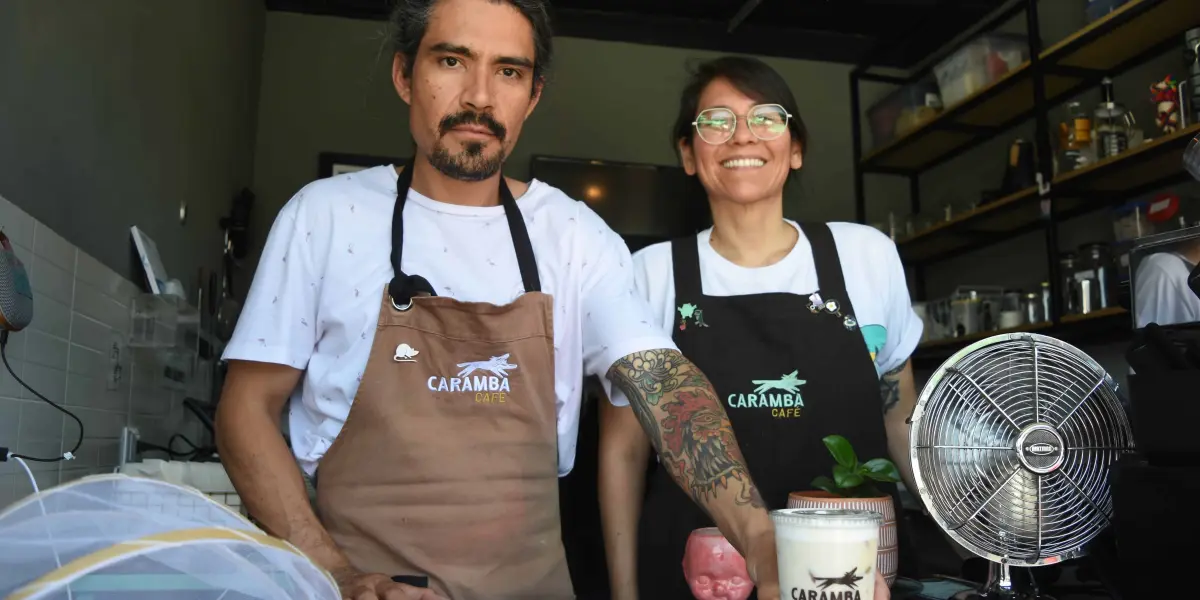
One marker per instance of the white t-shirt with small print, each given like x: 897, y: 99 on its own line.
x: 871, y: 267
x: 315, y: 298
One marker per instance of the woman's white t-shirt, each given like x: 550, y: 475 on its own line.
x: 874, y: 276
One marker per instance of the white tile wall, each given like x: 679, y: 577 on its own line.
x: 81, y: 308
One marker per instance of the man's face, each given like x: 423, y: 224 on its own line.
x: 471, y: 87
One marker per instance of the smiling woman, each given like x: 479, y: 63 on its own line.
x: 804, y: 330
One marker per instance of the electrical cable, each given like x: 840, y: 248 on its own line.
x: 4, y: 453
x: 41, y: 503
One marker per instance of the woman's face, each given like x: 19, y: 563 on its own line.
x: 745, y: 168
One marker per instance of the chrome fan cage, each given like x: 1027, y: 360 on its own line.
x: 1011, y: 443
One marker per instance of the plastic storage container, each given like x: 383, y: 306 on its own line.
x: 978, y: 64
x: 903, y: 111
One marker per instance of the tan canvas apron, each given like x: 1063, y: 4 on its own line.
x: 447, y: 466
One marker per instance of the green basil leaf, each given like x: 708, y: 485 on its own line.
x: 846, y: 477
x: 827, y: 484
x: 881, y: 469
x: 841, y: 450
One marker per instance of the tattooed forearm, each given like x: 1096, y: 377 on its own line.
x: 889, y: 388
x: 685, y: 422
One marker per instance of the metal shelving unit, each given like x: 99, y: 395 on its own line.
x: 1136, y: 32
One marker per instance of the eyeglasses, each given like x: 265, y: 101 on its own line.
x: 766, y: 122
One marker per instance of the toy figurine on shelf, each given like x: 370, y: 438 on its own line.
x: 1165, y: 95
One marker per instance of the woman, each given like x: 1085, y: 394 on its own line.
x: 815, y: 317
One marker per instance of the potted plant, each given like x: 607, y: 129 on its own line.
x: 853, y: 486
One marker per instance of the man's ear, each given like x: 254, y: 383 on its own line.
x: 688, y: 157
x: 403, y: 84
x: 539, y: 84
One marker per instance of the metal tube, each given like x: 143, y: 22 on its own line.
x: 914, y: 193
x: 860, y: 199
x: 742, y: 13
x: 1045, y: 158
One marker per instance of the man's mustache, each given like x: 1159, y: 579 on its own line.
x: 467, y: 117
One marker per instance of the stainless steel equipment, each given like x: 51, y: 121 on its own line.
x: 1033, y: 308
x: 1190, y: 92
x: 1094, y: 278
x: 1070, y: 291
x: 1161, y: 268
x: 1011, y: 443
x: 1191, y: 158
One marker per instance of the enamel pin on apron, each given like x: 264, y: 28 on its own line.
x: 405, y: 353
x: 833, y: 307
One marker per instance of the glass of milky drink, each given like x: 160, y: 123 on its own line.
x: 826, y: 554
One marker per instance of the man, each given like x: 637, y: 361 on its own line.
x: 434, y: 421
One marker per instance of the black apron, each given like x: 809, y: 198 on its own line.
x: 788, y: 373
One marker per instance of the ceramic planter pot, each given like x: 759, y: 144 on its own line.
x: 889, y: 551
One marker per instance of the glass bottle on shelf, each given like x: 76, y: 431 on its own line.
x: 1111, y: 123
x: 1077, y: 138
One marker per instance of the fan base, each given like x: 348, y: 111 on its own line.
x: 996, y: 595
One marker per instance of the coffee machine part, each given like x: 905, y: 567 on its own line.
x: 1191, y: 158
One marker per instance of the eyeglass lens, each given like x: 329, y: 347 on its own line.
x: 766, y: 122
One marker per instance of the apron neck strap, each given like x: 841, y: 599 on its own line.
x: 685, y: 259
x: 830, y: 281
x: 403, y: 287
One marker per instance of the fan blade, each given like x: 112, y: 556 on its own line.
x: 988, y: 398
x: 1080, y: 403
x: 985, y: 502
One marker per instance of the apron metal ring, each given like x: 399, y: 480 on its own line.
x: 406, y: 306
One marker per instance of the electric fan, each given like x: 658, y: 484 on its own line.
x: 1011, y: 443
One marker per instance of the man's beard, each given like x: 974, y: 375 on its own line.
x: 470, y: 163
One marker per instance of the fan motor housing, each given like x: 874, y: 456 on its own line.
x: 1040, y: 448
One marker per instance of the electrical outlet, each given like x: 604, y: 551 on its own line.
x: 128, y: 446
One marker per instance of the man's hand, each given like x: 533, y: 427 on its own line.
x: 763, y: 565
x: 882, y: 592
x: 356, y: 585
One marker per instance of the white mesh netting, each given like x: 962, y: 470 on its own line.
x: 115, y: 536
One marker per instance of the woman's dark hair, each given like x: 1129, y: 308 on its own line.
x: 750, y: 76
x: 410, y: 19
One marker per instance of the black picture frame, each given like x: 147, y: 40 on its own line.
x: 330, y: 164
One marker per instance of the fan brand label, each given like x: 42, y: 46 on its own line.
x: 1041, y: 449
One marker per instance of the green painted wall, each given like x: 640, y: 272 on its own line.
x: 113, y: 111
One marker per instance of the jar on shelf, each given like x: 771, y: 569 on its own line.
x: 1094, y: 277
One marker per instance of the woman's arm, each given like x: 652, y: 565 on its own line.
x: 899, y: 394
x: 624, y: 452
